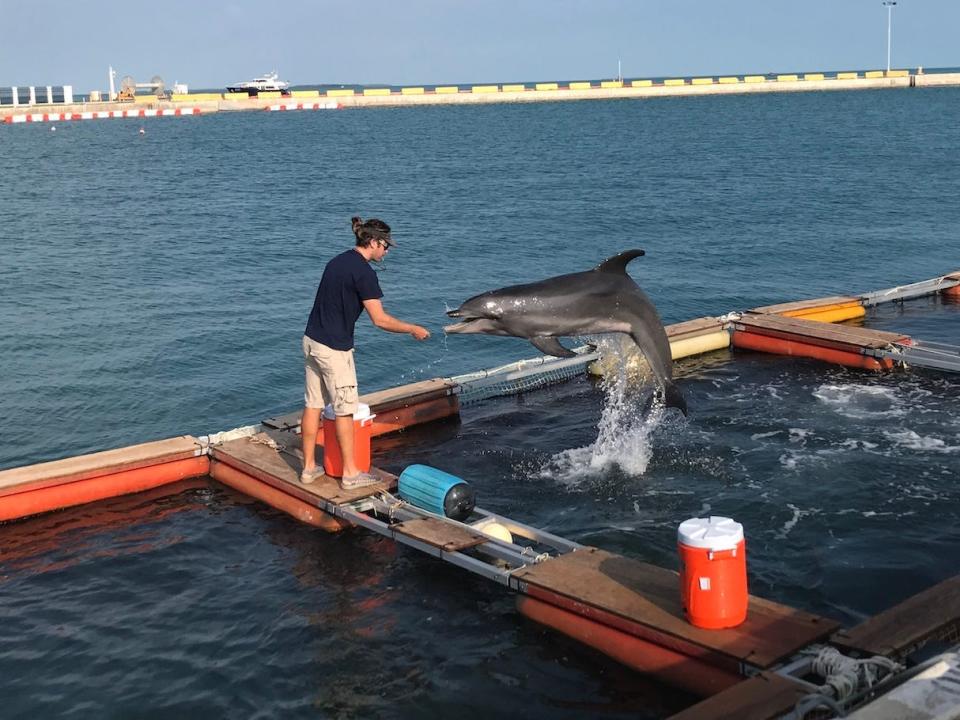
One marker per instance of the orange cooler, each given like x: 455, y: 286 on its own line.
x: 713, y: 572
x: 362, y: 431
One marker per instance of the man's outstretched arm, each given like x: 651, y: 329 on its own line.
x: 385, y: 321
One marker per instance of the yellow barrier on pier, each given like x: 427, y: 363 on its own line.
x: 898, y: 73
x: 675, y: 81
x: 447, y: 90
x: 846, y: 76
x: 699, y: 344
x: 345, y: 92
x: 754, y: 79
x: 271, y: 95
x: 145, y: 99
x: 547, y: 86
x: 411, y: 91
x: 305, y: 93
x: 235, y: 96
x: 814, y: 76
x: 728, y: 80
x: 196, y: 97
x: 611, y: 83
x: 376, y: 91
x: 787, y: 78
x: 642, y: 83
x: 514, y: 88
x: 832, y: 313
x: 702, y: 81
x: 873, y: 74
x: 485, y: 89
x: 580, y: 86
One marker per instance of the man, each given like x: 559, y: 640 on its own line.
x: 348, y: 286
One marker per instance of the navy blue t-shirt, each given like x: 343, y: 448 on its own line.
x: 347, y: 281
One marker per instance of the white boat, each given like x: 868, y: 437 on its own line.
x: 267, y: 83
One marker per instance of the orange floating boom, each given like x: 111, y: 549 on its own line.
x: 668, y: 665
x: 781, y: 346
x: 33, y: 501
x: 278, y: 499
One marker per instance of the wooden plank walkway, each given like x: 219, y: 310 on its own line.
x: 762, y: 697
x: 802, y: 306
x: 693, y: 328
x: 83, y: 467
x: 382, y: 402
x: 449, y: 538
x: 931, y: 614
x: 280, y: 468
x: 640, y: 598
x: 813, y: 332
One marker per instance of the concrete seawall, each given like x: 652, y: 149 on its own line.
x: 454, y: 95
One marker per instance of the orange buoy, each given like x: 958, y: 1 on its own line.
x: 713, y: 572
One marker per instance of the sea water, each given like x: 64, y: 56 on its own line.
x: 158, y: 284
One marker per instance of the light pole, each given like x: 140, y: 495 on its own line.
x: 889, y: 5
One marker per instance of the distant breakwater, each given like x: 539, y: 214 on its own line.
x: 203, y: 103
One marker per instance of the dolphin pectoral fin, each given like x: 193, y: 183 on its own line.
x: 551, y: 346
x: 618, y: 263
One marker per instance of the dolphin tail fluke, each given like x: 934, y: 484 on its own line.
x: 672, y: 397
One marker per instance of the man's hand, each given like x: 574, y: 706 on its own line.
x: 419, y: 333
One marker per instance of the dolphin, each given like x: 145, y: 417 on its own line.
x: 602, y: 300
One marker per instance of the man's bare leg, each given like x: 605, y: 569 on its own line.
x: 345, y: 430
x: 309, y: 425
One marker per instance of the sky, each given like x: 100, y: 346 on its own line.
x: 424, y: 42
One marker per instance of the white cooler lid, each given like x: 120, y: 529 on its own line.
x: 362, y: 412
x: 712, y: 533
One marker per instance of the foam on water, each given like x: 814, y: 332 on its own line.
x: 911, y: 440
x: 862, y: 401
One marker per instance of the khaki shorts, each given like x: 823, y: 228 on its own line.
x: 330, y: 378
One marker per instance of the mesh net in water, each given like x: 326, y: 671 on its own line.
x: 521, y: 376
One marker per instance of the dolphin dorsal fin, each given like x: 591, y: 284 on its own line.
x: 618, y: 263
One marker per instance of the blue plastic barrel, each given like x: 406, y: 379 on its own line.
x: 437, y: 491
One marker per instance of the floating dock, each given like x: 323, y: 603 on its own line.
x: 627, y: 609
x: 205, y: 103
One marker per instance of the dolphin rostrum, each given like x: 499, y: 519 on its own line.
x: 602, y: 300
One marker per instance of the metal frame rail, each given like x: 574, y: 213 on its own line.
x: 501, y: 560
x: 934, y: 355
x: 909, y: 292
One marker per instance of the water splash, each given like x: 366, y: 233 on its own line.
x: 624, y: 433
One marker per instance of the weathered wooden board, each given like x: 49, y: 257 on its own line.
x: 381, y: 401
x: 693, y: 328
x: 845, y: 337
x: 763, y: 697
x: 640, y: 597
x: 440, y: 534
x: 281, y: 469
x: 82, y: 467
x: 811, y: 305
x: 908, y: 624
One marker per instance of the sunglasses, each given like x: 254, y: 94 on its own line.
x: 384, y: 244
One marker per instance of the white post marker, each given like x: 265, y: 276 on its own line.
x: 889, y: 5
